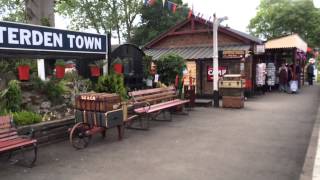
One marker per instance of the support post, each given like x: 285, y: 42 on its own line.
x: 41, y: 69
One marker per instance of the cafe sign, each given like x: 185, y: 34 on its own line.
x: 222, y: 71
x: 25, y: 37
x: 233, y: 54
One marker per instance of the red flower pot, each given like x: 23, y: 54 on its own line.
x: 60, y: 72
x: 95, y: 71
x: 23, y: 72
x: 118, y: 68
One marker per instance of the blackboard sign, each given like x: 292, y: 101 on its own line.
x: 25, y: 37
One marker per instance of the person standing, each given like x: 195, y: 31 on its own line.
x: 310, y: 71
x: 283, y: 78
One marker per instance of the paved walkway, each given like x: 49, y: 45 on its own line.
x: 265, y: 141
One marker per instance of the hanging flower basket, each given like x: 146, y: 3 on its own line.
x: 23, y: 72
x: 95, y: 71
x: 59, y: 71
x: 118, y: 68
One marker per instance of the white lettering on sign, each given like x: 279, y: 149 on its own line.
x: 221, y: 71
x: 2, y: 29
x: 89, y: 42
x: 71, y: 37
x: 25, y: 36
x: 47, y: 39
x: 97, y: 43
x: 12, y: 36
x: 37, y: 38
x: 79, y: 42
x: 57, y: 40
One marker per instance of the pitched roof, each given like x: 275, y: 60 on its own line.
x: 291, y: 41
x: 229, y: 30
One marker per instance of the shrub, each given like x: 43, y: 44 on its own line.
x: 55, y: 89
x: 169, y: 66
x: 112, y: 83
x: 60, y: 62
x: 12, y: 97
x: 26, y: 118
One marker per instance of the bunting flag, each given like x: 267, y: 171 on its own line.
x: 174, y: 8
x: 189, y: 14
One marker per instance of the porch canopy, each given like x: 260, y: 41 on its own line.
x: 287, y: 42
x: 19, y: 40
x: 194, y: 52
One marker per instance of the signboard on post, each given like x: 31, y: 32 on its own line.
x: 233, y: 54
x: 25, y: 37
x: 222, y: 71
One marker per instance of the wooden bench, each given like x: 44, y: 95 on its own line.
x: 10, y: 140
x: 151, y: 102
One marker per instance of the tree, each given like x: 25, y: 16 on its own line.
x: 156, y: 19
x: 12, y: 10
x: 277, y: 18
x: 102, y: 15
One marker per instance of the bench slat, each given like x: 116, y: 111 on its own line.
x: 16, y: 144
x: 150, y: 91
x: 161, y: 106
x: 13, y: 142
x: 162, y: 94
x: 4, y: 135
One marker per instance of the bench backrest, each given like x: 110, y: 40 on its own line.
x: 155, y: 95
x: 7, y: 130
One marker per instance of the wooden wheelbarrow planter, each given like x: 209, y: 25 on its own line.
x: 89, y: 123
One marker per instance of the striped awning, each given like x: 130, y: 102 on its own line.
x: 204, y: 52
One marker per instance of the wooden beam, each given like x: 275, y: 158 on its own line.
x: 190, y: 32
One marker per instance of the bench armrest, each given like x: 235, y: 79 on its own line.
x: 146, y: 105
x: 30, y: 135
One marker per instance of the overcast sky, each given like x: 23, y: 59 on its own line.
x: 239, y: 12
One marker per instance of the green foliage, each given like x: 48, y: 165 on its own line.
x: 156, y: 20
x: 169, y: 66
x: 60, y: 63
x: 146, y: 63
x: 102, y: 15
x: 112, y: 83
x: 11, y: 98
x: 12, y: 10
x: 55, y: 90
x: 26, y: 118
x: 276, y: 18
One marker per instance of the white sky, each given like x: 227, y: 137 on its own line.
x: 239, y: 12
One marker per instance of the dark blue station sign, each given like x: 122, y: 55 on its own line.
x: 25, y: 37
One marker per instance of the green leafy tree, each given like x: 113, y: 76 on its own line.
x: 156, y: 19
x: 12, y: 10
x: 102, y: 15
x: 277, y: 18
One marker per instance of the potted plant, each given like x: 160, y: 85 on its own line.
x: 23, y: 70
x: 118, y: 66
x: 60, y: 69
x: 95, y: 68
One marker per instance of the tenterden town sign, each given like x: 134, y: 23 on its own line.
x: 15, y: 36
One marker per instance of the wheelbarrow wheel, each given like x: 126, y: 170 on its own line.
x: 78, y: 136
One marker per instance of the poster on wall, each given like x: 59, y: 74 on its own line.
x: 222, y: 71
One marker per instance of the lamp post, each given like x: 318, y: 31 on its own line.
x: 215, y: 63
